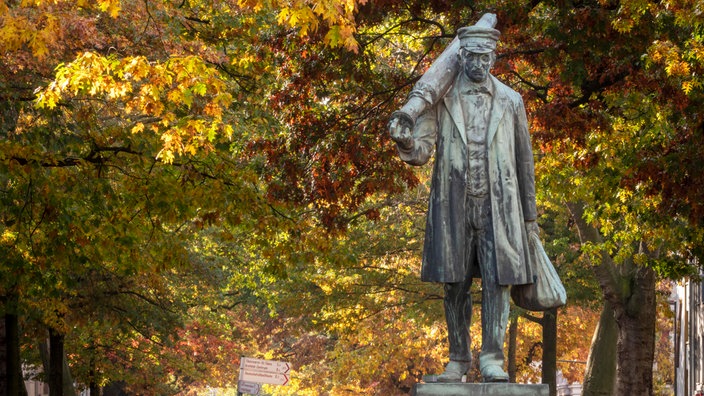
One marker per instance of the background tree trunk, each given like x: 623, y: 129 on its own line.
x: 15, y: 382
x: 93, y: 387
x: 636, y: 339
x: 630, y: 290
x: 56, y: 364
x: 12, y: 382
x: 4, y: 358
x: 512, y: 335
x: 549, y: 370
x: 600, y: 375
x: 54, y: 355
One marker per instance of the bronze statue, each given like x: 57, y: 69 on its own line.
x: 482, y: 205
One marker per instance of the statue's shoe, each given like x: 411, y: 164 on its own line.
x: 454, y: 371
x: 494, y: 373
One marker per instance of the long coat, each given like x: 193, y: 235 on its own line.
x: 511, y: 182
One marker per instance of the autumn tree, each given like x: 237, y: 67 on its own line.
x: 176, y: 167
x: 129, y: 128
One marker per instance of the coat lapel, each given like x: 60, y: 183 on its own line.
x: 498, y: 108
x: 454, y: 107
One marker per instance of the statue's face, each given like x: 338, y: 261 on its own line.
x: 477, y: 66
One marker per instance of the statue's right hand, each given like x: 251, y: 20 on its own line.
x: 401, y: 132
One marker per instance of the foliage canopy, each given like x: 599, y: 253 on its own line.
x: 174, y: 172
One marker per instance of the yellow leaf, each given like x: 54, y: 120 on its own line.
x: 112, y: 7
x: 139, y: 127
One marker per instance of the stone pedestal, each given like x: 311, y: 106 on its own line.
x: 467, y: 389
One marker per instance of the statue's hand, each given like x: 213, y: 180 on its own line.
x: 401, y: 130
x: 532, y: 227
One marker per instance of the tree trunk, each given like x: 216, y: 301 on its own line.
x: 5, y: 386
x: 93, y: 387
x: 630, y: 289
x: 549, y: 370
x: 512, y: 337
x: 56, y: 363
x: 600, y: 375
x: 15, y: 382
x: 11, y: 380
x: 67, y: 379
x: 636, y: 338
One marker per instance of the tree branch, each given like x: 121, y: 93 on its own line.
x: 597, y: 85
x: 540, y: 90
x: 605, y: 268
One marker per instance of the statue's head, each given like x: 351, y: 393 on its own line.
x: 477, y: 45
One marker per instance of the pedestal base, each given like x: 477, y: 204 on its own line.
x: 467, y: 389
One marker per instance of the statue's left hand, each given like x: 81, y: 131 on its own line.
x: 532, y: 227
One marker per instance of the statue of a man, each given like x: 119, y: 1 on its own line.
x: 482, y: 202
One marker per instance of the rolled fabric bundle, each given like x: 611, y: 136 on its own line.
x: 436, y: 81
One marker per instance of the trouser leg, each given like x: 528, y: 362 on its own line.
x: 495, y: 298
x: 458, y: 314
x: 458, y: 301
x: 495, y: 310
x: 495, y: 305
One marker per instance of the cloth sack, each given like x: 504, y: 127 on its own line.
x: 547, y: 291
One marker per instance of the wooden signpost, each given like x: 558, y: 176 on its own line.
x: 254, y: 372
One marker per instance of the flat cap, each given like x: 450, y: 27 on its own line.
x: 480, y: 38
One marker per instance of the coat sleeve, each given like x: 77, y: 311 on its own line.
x: 525, y: 164
x: 424, y: 135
